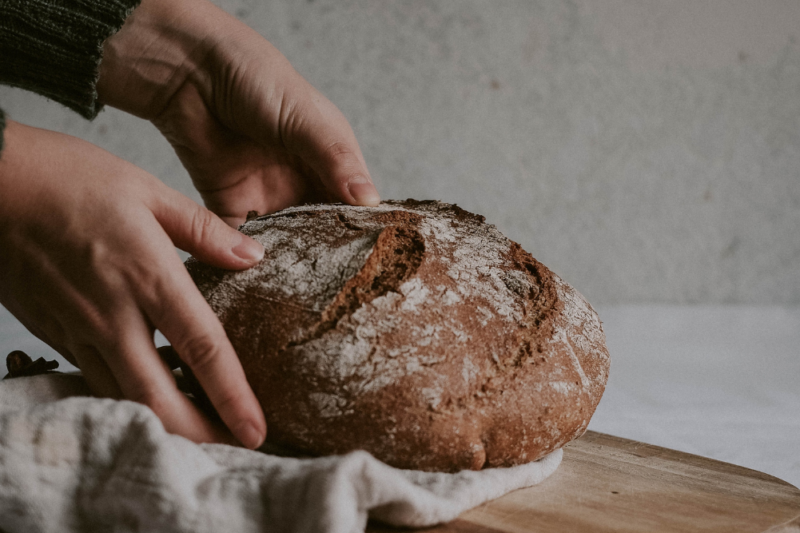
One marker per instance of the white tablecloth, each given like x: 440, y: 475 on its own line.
x: 722, y: 382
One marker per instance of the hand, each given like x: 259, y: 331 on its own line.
x: 87, y: 264
x: 253, y: 134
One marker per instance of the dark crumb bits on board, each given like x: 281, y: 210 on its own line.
x: 20, y: 364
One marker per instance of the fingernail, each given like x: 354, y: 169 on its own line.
x: 251, y: 437
x: 363, y: 191
x: 249, y: 249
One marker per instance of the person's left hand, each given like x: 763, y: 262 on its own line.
x: 253, y: 134
x: 88, y: 265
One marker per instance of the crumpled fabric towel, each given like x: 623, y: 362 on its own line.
x: 69, y: 462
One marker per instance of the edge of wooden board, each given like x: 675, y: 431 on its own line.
x: 609, y: 483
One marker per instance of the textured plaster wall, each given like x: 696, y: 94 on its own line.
x: 646, y: 150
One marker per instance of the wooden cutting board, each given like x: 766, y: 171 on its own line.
x: 610, y: 484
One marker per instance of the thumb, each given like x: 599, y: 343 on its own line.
x: 316, y: 131
x: 322, y: 137
x: 203, y: 234
x: 340, y: 168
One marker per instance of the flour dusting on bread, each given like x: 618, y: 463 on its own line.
x: 413, y: 330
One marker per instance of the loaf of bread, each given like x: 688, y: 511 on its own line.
x: 412, y: 330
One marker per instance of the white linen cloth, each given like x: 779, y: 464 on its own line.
x: 69, y: 462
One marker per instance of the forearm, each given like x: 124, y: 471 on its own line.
x: 165, y: 45
x: 149, y: 58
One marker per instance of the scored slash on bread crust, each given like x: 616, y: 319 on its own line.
x: 413, y: 330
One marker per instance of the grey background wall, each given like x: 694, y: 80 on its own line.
x: 646, y: 150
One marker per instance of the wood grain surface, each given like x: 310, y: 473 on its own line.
x: 607, y: 484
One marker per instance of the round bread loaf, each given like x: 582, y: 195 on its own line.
x: 412, y: 330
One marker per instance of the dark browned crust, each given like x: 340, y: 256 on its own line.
x: 509, y: 413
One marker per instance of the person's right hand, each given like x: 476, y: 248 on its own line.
x: 253, y: 134
x: 87, y: 264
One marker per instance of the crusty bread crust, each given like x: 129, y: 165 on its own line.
x: 413, y: 330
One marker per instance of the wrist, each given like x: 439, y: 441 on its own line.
x: 161, y: 46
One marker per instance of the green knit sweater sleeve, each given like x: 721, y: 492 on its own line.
x: 54, y: 47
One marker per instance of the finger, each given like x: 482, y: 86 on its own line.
x: 181, y: 313
x: 95, y: 371
x: 323, y: 138
x: 144, y: 378
x: 279, y: 181
x: 311, y: 127
x: 203, y: 234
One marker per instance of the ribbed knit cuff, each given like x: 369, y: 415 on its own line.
x: 54, y: 47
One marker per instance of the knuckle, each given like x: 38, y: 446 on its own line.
x: 200, y: 351
x: 202, y: 225
x: 147, y: 280
x: 339, y: 150
x: 157, y: 296
x: 98, y: 254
